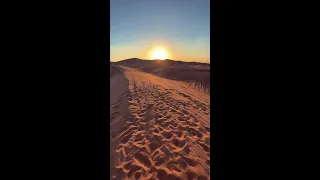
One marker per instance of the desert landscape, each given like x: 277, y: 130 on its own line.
x: 160, y: 119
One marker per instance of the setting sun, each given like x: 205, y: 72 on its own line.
x: 159, y: 54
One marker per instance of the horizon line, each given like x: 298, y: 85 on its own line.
x: 161, y: 60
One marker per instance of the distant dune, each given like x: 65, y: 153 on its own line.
x: 195, y: 73
x: 160, y: 120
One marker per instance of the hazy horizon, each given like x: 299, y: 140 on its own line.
x: 180, y: 27
x: 159, y: 59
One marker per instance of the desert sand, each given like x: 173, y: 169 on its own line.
x: 160, y: 120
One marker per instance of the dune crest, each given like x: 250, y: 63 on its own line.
x: 160, y: 127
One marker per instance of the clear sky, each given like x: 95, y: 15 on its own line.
x: 181, y: 27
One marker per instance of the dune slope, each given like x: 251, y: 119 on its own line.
x: 160, y: 127
x: 195, y: 73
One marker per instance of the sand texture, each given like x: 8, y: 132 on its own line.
x: 160, y: 125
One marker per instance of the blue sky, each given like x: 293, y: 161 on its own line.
x: 182, y: 27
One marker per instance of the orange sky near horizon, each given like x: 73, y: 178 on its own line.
x: 194, y: 51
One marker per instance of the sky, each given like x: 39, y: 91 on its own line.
x: 181, y: 27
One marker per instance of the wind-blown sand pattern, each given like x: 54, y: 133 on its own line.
x: 160, y: 127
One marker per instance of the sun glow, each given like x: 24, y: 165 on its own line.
x: 160, y: 54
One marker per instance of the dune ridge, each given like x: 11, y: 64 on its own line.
x: 195, y: 73
x: 160, y: 127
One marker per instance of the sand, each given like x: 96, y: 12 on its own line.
x: 160, y: 127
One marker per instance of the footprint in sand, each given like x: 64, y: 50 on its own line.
x: 158, y: 139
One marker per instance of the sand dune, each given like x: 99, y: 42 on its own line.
x: 195, y: 73
x: 160, y: 127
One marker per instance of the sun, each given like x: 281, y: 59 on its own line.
x: 160, y: 54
